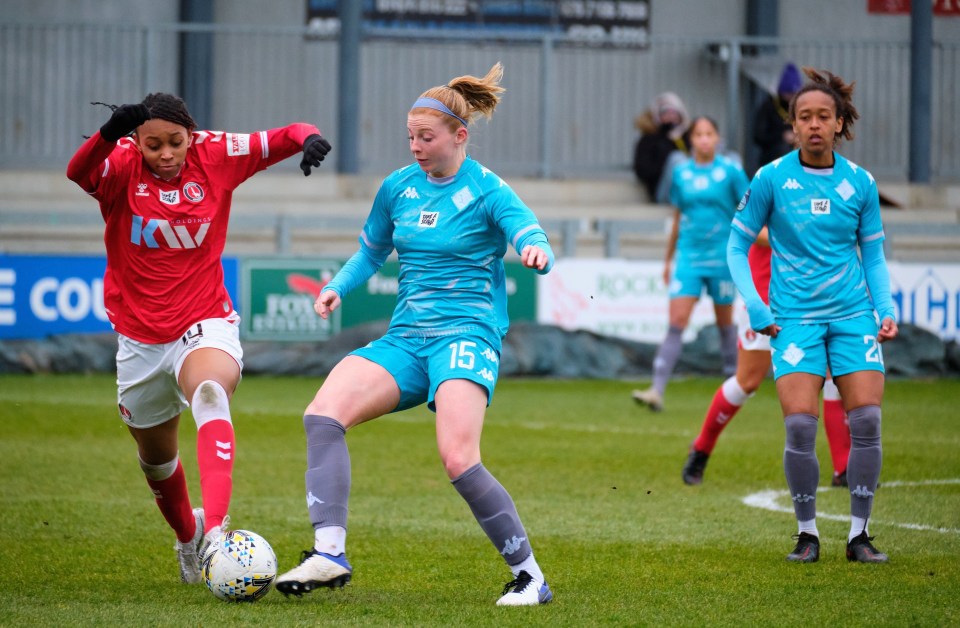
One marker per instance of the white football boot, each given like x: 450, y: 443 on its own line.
x: 188, y: 553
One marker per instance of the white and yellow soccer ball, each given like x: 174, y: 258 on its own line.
x: 240, y: 566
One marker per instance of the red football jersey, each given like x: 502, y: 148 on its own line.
x: 759, y: 259
x: 164, y: 239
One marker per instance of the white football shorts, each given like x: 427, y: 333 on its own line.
x: 147, y: 390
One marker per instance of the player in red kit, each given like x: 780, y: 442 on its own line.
x: 753, y: 363
x: 164, y: 191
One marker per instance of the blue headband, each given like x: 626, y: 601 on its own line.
x: 433, y: 103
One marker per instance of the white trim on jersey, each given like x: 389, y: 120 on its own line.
x: 264, y: 145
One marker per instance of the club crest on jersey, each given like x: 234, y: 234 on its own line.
x: 142, y: 189
x: 193, y: 192
x: 238, y: 144
x: 429, y: 219
x: 820, y: 206
x: 462, y: 197
x: 170, y: 197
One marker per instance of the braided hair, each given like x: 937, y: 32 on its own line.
x: 164, y: 106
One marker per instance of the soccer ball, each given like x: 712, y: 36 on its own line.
x: 240, y: 566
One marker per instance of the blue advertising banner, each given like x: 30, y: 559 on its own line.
x: 45, y: 295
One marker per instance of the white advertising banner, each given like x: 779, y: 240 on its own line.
x: 928, y: 295
x: 612, y: 297
x: 628, y: 299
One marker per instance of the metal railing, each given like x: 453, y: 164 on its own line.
x: 568, y: 110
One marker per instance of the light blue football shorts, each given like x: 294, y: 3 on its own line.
x: 845, y: 346
x: 692, y: 283
x: 420, y: 364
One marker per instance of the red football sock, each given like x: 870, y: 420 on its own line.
x: 838, y: 433
x: 719, y: 414
x: 215, y: 451
x: 174, y: 502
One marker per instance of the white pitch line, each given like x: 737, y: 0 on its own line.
x: 768, y: 500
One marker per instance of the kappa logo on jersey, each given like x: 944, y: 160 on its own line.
x: 793, y: 354
x: 490, y: 354
x: 193, y: 192
x: 175, y: 236
x: 238, y: 144
x: 142, y: 189
x: 429, y: 219
x: 170, y: 197
x: 462, y: 197
x: 410, y: 192
x: 743, y: 201
x: 820, y: 206
x: 791, y: 184
x: 486, y: 374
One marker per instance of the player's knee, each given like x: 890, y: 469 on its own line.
x: 801, y: 432
x: 455, y: 463
x: 864, y: 422
x: 159, y: 472
x: 210, y: 401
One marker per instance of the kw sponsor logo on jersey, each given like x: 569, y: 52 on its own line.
x: 176, y: 236
x: 410, y: 192
x: 791, y: 184
x: 820, y: 206
x: 429, y: 219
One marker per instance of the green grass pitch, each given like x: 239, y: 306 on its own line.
x: 596, y: 480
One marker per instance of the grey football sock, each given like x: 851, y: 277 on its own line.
x: 800, y: 464
x: 328, y: 471
x: 495, y: 512
x: 866, y: 456
x: 666, y: 359
x: 728, y: 348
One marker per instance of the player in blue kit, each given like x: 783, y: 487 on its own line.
x: 829, y: 307
x: 450, y: 220
x: 705, y: 190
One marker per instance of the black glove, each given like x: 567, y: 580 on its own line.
x: 315, y: 148
x: 124, y: 121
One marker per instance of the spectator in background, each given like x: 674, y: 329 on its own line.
x: 663, y: 128
x: 772, y: 131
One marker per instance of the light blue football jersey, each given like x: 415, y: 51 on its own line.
x: 707, y: 197
x: 450, y: 237
x: 816, y: 218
